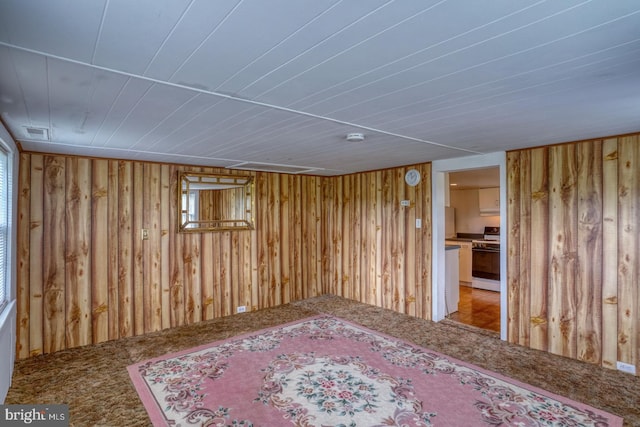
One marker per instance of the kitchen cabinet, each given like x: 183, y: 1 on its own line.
x: 452, y: 282
x: 465, y: 259
x: 489, y: 201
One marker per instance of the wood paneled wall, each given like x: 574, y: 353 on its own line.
x: 574, y: 249
x: 372, y: 250
x: 86, y: 276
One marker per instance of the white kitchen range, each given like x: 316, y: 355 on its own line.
x: 485, y: 264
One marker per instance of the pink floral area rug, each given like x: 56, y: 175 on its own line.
x: 325, y: 371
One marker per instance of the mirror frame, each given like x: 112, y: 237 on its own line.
x: 218, y: 182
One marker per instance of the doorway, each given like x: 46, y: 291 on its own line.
x: 473, y: 222
x: 440, y: 170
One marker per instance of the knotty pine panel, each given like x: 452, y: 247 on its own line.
x: 372, y: 251
x: 572, y: 240
x: 86, y: 276
x: 573, y: 226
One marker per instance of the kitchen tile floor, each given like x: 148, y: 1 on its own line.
x: 479, y: 308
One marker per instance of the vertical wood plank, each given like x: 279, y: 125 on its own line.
x: 218, y: 274
x: 315, y: 236
x: 367, y: 232
x: 23, y: 258
x: 100, y: 255
x: 355, y: 224
x: 514, y: 204
x: 328, y: 218
x: 53, y: 245
x: 193, y: 292
x: 125, y: 246
x: 628, y: 248
x: 154, y: 252
x: 589, y: 265
x: 562, y: 235
x: 377, y: 250
x: 539, y: 243
x: 226, y: 285
x: 344, y: 281
x: 78, y: 251
x: 36, y: 261
x: 166, y: 195
x: 397, y: 241
x: 524, y: 278
x: 409, y: 256
x: 427, y: 238
x: 281, y: 244
x: 386, y: 256
x: 235, y: 287
x: 113, y: 273
x: 139, y: 207
x: 254, y: 283
x: 246, y: 268
x: 262, y: 210
x: 610, y: 226
x: 419, y: 295
x: 295, y: 240
x: 176, y: 259
x: 373, y: 232
x: 335, y: 255
x: 275, y: 269
x: 208, y: 276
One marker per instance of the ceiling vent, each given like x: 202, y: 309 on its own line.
x: 270, y: 167
x: 39, y: 134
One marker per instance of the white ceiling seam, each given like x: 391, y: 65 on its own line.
x: 432, y: 60
x: 483, y: 100
x: 164, y: 42
x: 276, y: 46
x: 224, y: 19
x: 502, y: 79
x: 99, y: 32
x: 336, y: 54
x: 442, y: 42
x: 475, y: 66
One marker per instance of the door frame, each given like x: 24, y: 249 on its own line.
x: 438, y: 190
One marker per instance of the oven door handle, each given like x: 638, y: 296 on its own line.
x: 485, y: 250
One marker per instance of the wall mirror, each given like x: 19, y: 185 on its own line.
x: 209, y: 202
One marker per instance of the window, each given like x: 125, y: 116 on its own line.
x: 4, y: 226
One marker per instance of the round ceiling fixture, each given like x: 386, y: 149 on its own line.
x: 355, y: 137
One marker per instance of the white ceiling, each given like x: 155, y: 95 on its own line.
x: 281, y: 82
x: 475, y: 178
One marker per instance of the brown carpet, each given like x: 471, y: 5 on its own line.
x: 94, y: 382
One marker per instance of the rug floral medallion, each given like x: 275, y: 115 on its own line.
x: 324, y: 371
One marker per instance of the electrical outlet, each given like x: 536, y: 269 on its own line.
x: 241, y: 309
x: 626, y: 367
x: 405, y: 203
x: 145, y: 234
x: 418, y: 223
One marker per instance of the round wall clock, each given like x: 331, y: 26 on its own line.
x: 412, y: 177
